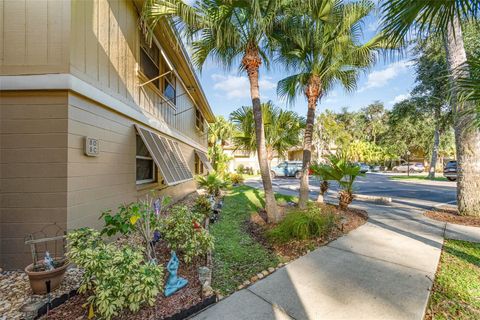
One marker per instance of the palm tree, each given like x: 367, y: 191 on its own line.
x: 469, y: 88
x: 400, y: 18
x: 323, y: 48
x: 230, y: 32
x: 282, y: 129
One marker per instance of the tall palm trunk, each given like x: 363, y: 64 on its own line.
x: 251, y: 61
x: 313, y: 93
x: 466, y: 137
x: 436, y: 144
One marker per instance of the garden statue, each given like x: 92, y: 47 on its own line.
x: 48, y: 261
x: 174, y: 283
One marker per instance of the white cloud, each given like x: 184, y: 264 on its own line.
x: 373, y: 26
x: 238, y: 86
x: 399, y: 98
x: 380, y: 78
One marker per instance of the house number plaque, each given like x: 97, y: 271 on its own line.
x: 92, y: 147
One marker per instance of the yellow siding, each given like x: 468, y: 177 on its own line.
x: 34, y: 36
x: 33, y: 169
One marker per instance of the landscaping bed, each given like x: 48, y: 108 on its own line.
x: 456, y: 290
x: 451, y: 215
x: 164, y: 307
x: 345, y: 221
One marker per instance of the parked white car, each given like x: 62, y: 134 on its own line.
x: 413, y: 167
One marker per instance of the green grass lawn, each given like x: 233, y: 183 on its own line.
x: 456, y: 291
x: 237, y: 257
x: 415, y: 177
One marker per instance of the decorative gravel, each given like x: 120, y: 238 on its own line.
x: 15, y: 291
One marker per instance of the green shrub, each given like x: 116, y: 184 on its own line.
x: 303, y: 225
x: 115, y: 278
x: 240, y: 169
x: 203, y: 206
x: 236, y: 178
x: 182, y: 230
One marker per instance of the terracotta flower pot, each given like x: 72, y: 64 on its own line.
x: 38, y: 278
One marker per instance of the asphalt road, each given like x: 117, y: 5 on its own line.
x: 418, y: 193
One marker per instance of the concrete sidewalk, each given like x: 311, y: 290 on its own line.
x: 382, y: 270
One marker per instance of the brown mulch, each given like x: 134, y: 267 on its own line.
x: 346, y: 221
x: 451, y: 215
x: 164, y: 307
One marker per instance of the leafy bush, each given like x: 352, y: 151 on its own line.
x: 236, y: 178
x: 142, y: 217
x: 240, y: 169
x: 212, y: 182
x: 118, y: 222
x: 115, y: 277
x: 302, y: 225
x: 182, y: 230
x: 203, y: 206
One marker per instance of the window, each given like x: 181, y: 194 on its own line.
x: 198, y: 165
x: 145, y: 164
x: 168, y: 157
x: 152, y: 65
x: 169, y: 87
x: 199, y: 121
x: 149, y: 58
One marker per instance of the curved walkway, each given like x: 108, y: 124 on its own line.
x: 382, y: 270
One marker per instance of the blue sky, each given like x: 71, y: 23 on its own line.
x: 389, y: 81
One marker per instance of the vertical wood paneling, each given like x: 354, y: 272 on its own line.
x: 1, y: 30
x: 55, y: 46
x: 91, y: 41
x: 122, y: 59
x: 78, y: 33
x: 14, y: 32
x: 103, y: 42
x: 113, y: 46
x: 37, y: 32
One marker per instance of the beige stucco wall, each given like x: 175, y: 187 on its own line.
x: 33, y: 169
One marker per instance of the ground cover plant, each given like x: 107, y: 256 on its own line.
x: 456, y: 290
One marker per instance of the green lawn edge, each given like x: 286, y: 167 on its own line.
x: 456, y: 290
x: 237, y: 256
x: 413, y: 178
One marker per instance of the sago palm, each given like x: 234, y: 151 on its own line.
x: 282, y: 129
x: 406, y: 18
x: 231, y: 33
x: 323, y: 46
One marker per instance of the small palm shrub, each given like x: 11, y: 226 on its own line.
x: 115, y: 277
x: 302, y: 225
x: 212, y: 182
x: 183, y: 232
x: 236, y: 178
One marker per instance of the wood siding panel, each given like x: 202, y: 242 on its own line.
x: 34, y: 36
x: 33, y: 169
x: 99, y: 183
x: 112, y: 33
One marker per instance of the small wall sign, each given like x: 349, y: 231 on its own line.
x: 92, y: 148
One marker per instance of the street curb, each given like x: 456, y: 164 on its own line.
x: 377, y: 199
